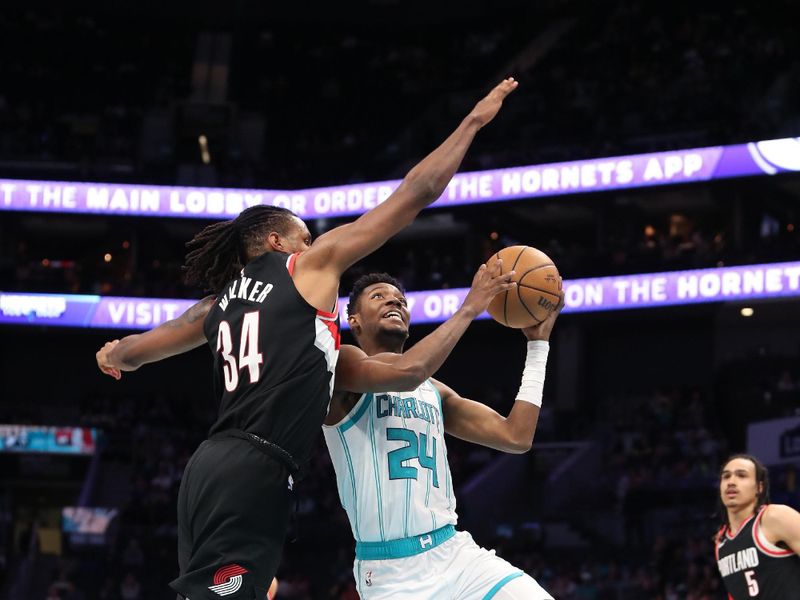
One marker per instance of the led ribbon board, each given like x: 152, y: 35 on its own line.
x: 768, y: 157
x: 774, y: 280
x: 25, y: 439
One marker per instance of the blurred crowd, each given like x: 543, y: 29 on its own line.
x: 143, y: 258
x: 662, y: 457
x: 303, y: 102
x: 297, y: 103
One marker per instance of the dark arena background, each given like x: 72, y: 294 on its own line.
x: 651, y: 151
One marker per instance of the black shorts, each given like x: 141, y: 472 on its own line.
x: 234, y: 506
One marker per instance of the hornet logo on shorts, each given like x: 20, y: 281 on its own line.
x: 228, y: 580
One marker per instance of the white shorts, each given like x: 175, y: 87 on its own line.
x: 458, y: 569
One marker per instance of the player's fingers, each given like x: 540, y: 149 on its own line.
x: 506, y: 86
x: 496, y: 267
x: 479, y: 275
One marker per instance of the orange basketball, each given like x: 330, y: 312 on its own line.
x: 538, y: 288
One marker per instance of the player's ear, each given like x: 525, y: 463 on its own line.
x: 355, y: 324
x: 275, y: 242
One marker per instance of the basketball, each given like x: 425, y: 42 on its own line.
x: 538, y: 288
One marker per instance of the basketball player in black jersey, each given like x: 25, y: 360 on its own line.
x: 273, y: 327
x: 758, y: 545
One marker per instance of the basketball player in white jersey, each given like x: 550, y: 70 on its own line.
x: 389, y: 453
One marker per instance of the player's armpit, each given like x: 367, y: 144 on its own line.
x: 477, y: 423
x: 168, y: 339
x: 357, y: 372
x: 781, y: 523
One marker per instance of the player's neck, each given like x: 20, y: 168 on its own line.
x: 737, y: 516
x: 382, y: 343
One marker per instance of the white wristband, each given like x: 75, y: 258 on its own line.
x: 533, y: 375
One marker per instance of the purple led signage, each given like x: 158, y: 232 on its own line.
x: 774, y: 280
x: 662, y: 168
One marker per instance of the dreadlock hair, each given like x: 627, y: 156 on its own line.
x: 220, y: 251
x: 762, y: 497
x: 364, y: 282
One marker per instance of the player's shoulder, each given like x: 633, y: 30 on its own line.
x: 445, y: 391
x: 777, y: 519
x: 349, y: 351
x: 777, y: 513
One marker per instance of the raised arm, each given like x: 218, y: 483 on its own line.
x: 168, y: 339
x: 318, y: 269
x: 357, y: 372
x: 475, y: 422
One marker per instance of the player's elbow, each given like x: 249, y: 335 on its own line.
x: 520, y: 448
x: 520, y: 444
x: 412, y: 376
x: 394, y: 378
x: 129, y: 363
x: 420, y: 187
x: 405, y: 376
x: 126, y: 358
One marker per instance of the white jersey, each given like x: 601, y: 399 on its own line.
x: 391, y: 465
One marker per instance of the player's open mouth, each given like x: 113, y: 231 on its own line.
x: 731, y: 493
x: 393, y: 314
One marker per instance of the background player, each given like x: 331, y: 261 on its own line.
x: 273, y: 328
x: 390, y: 457
x: 757, y: 547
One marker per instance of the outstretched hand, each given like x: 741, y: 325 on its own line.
x: 486, y: 109
x: 487, y: 283
x: 103, y: 362
x: 543, y: 330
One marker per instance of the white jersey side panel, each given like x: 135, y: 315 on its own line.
x: 391, y: 465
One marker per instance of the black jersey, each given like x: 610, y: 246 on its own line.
x: 274, y: 356
x: 752, y: 567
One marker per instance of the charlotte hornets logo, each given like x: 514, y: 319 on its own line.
x: 228, y: 580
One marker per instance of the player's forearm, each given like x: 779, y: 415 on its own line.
x: 477, y: 423
x: 429, y: 178
x: 520, y: 425
x: 428, y: 355
x: 125, y: 356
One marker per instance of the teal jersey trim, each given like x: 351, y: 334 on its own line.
x: 405, y: 547
x: 441, y: 407
x: 352, y: 481
x: 492, y: 592
x: 376, y: 470
x: 366, y: 402
x: 407, y: 512
x: 428, y: 491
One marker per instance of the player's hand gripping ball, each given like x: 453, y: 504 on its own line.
x: 538, y: 289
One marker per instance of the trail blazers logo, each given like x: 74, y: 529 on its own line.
x: 228, y: 580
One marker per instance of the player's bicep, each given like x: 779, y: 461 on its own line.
x: 343, y: 246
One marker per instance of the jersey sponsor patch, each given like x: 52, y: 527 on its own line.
x: 228, y: 580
